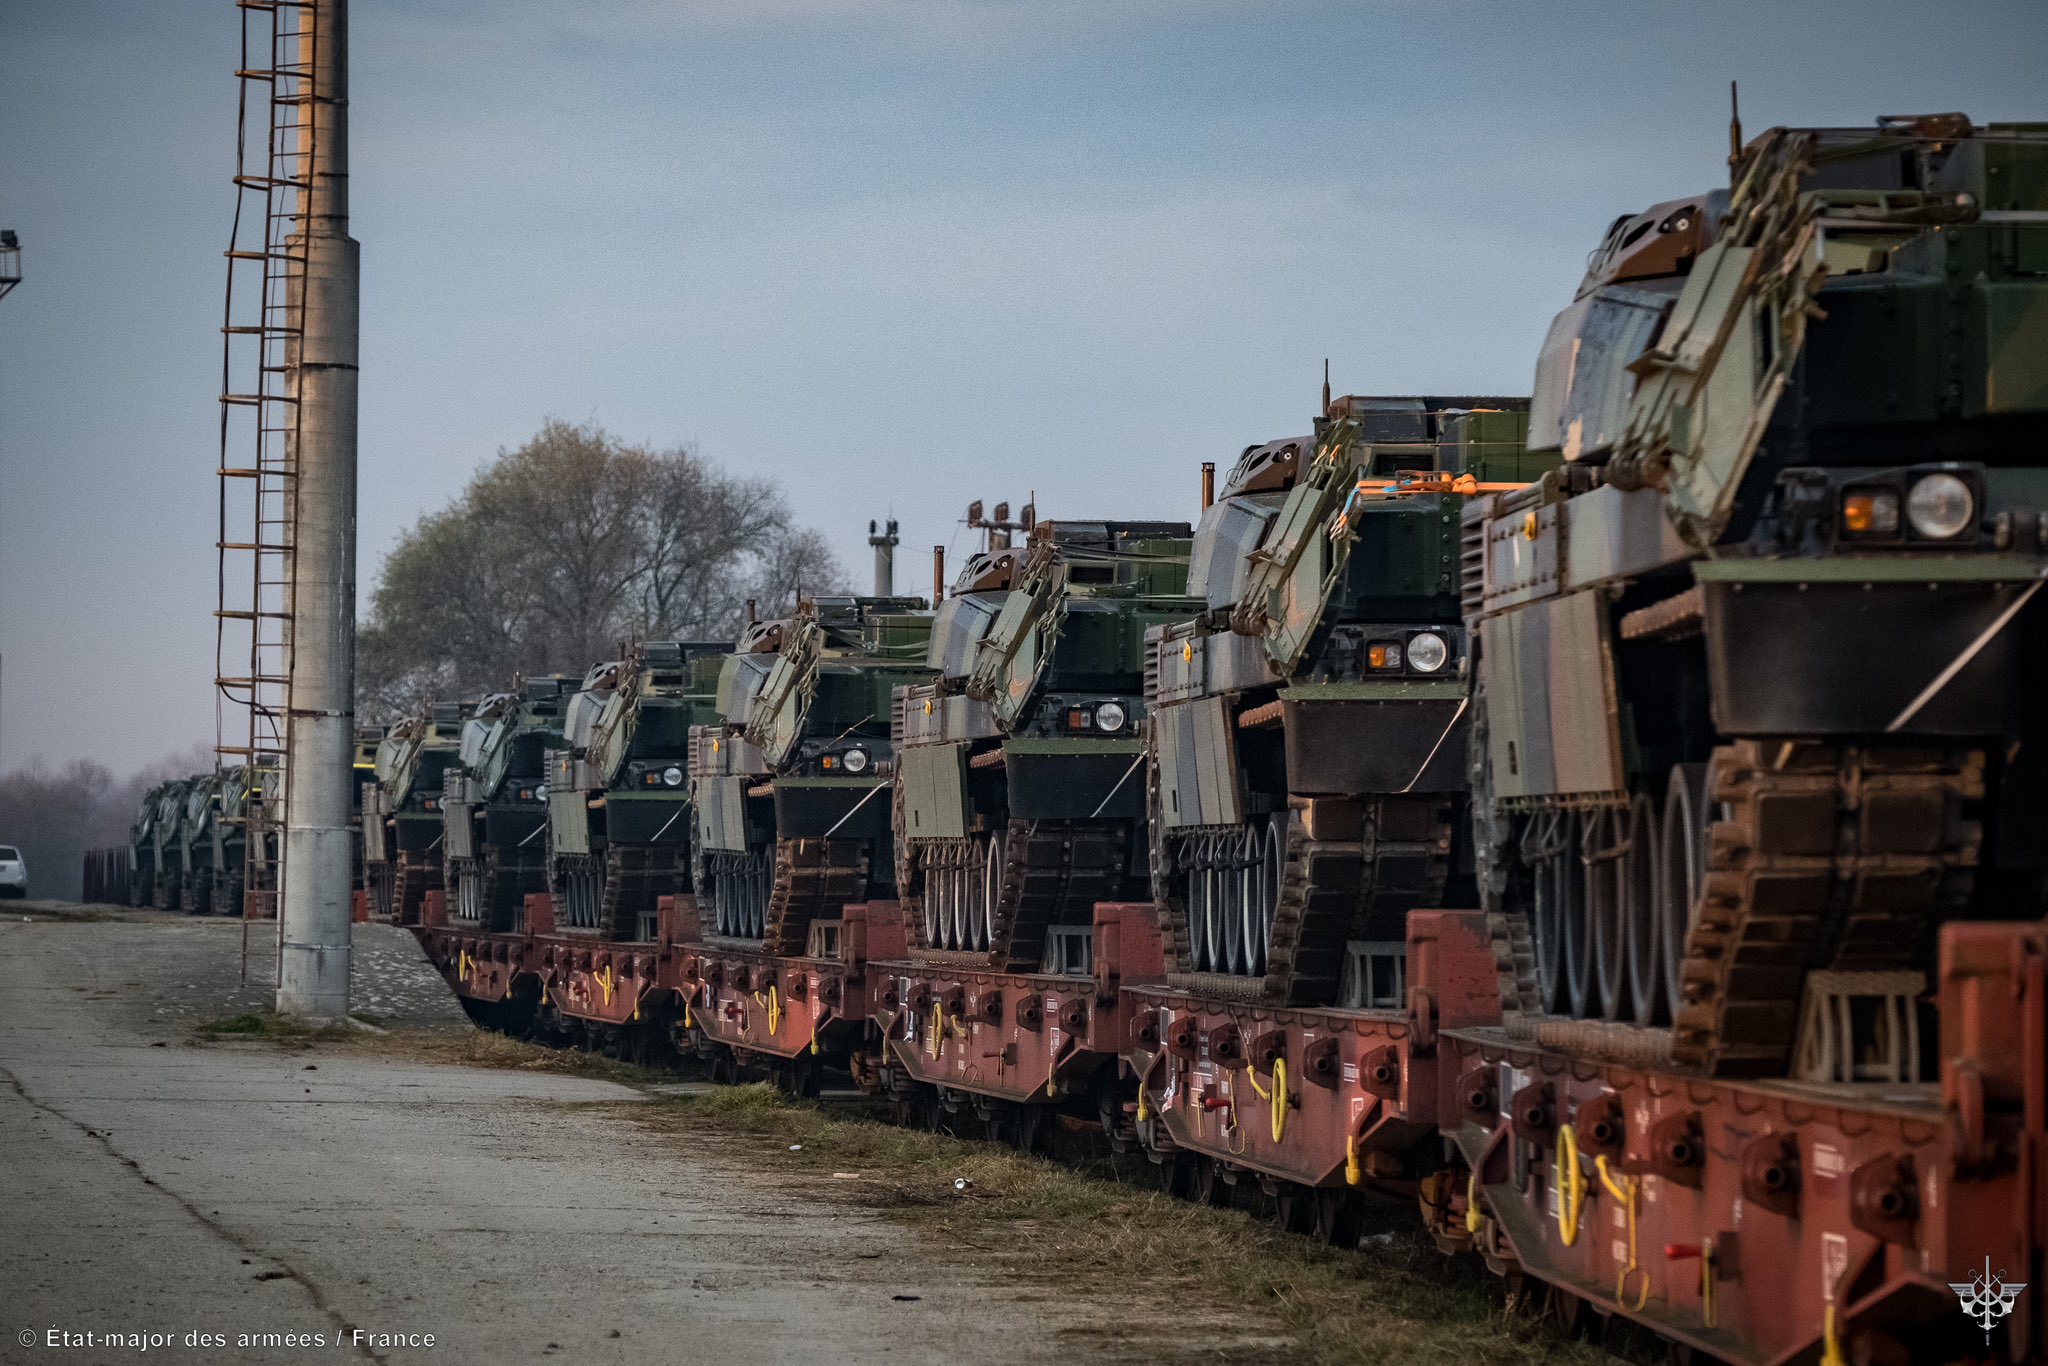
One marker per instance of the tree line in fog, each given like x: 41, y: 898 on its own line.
x: 53, y: 815
x: 552, y: 555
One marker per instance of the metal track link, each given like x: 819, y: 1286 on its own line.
x: 509, y: 874
x: 1053, y: 874
x: 1824, y: 856
x: 1333, y: 891
x: 636, y: 877
x: 1514, y: 958
x: 814, y: 877
x: 416, y: 876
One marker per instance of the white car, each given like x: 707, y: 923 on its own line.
x: 13, y: 872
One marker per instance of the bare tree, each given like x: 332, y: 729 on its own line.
x: 558, y: 550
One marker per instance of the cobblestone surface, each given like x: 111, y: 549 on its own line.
x: 217, y: 967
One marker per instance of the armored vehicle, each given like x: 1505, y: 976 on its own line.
x: 401, y: 819
x: 149, y: 840
x: 791, y: 785
x: 1307, y: 744
x: 364, y: 771
x: 494, y: 803
x: 169, y: 893
x: 197, y: 822
x: 218, y: 841
x: 1752, y: 661
x: 618, y: 794
x: 1019, y: 797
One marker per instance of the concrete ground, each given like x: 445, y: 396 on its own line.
x: 153, y: 1184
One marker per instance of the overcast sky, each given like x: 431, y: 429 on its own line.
x: 897, y: 255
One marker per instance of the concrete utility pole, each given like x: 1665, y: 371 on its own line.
x: 313, y: 919
x: 884, y: 541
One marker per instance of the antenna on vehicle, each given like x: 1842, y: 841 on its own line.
x: 1734, y: 124
x: 1326, y: 386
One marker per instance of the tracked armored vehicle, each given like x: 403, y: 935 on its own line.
x: 168, y: 831
x: 1307, y: 752
x: 363, y: 771
x: 195, y: 830
x: 1752, y: 663
x: 494, y: 803
x: 149, y: 839
x: 401, y: 819
x: 791, y: 787
x: 619, y: 818
x: 1020, y: 799
x: 217, y: 842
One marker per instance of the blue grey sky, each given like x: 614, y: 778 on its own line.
x: 896, y: 254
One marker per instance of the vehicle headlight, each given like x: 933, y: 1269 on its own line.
x: 1383, y: 654
x: 540, y: 794
x: 1110, y: 716
x: 1870, y: 512
x: 1940, y: 506
x: 672, y: 775
x: 855, y: 760
x: 1427, y: 652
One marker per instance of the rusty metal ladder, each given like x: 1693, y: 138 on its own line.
x: 260, y: 332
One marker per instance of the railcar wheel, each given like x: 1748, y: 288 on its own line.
x: 1565, y: 1312
x: 1209, y: 1186
x: 1294, y: 1207
x: 1036, y: 1129
x: 1339, y: 1217
x: 1176, y: 1173
x: 802, y: 1076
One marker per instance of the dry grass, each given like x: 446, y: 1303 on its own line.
x: 1189, y: 1283
x: 1282, y: 1297
x: 482, y: 1048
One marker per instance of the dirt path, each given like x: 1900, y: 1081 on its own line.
x: 157, y: 1185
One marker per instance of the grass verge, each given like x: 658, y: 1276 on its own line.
x: 269, y: 1027
x: 483, y: 1048
x: 1204, y: 1283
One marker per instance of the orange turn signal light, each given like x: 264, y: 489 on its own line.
x: 1871, y: 512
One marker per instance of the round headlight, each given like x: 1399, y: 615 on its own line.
x: 1427, y: 652
x: 855, y: 760
x: 672, y: 775
x: 540, y: 794
x: 1940, y: 506
x: 1110, y: 716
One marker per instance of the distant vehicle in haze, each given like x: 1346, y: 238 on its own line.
x: 13, y: 872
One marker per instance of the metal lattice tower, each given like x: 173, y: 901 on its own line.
x: 259, y: 421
